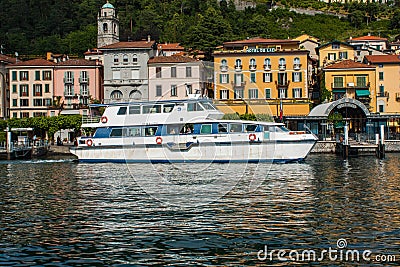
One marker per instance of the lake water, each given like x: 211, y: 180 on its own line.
x: 61, y: 213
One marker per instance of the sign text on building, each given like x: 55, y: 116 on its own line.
x: 260, y: 50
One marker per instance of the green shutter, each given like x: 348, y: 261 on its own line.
x: 14, y: 88
x: 220, y: 78
x: 301, y: 78
x: 227, y: 78
x: 292, y: 93
x: 292, y: 76
x: 14, y: 75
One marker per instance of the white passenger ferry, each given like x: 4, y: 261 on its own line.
x: 186, y: 131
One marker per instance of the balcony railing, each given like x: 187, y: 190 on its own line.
x: 296, y: 66
x: 68, y: 80
x: 238, y: 67
x: 84, y: 80
x: 267, y: 67
x: 284, y: 83
x: 237, y: 85
x: 282, y: 67
x: 383, y: 94
x: 224, y: 68
x: 252, y: 67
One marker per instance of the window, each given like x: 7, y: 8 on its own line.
x: 135, y: 94
x: 380, y: 65
x: 15, y: 102
x: 116, y: 75
x: 206, y: 129
x: 335, y: 46
x: 84, y: 90
x: 224, y: 78
x: 125, y: 58
x: 24, y: 114
x: 47, y: 88
x: 24, y: 102
x: 174, y: 91
x: 267, y: 92
x: 239, y: 93
x: 238, y: 64
x: 253, y: 93
x: 188, y: 72
x: 38, y: 102
x: 68, y: 77
x: 267, y: 63
x: 133, y: 131
x: 361, y: 81
x: 14, y: 88
x: 122, y: 111
x: 189, y: 89
x: 117, y: 132
x: 150, y: 131
x: 222, y: 127
x: 253, y: 65
x: 337, y: 82
x: 250, y: 128
x: 14, y: 75
x: 158, y: 72
x: 381, y: 108
x: 296, y: 76
x: 224, y: 63
x: 158, y: 90
x: 235, y: 128
x: 267, y: 77
x: 46, y: 75
x: 105, y: 26
x: 68, y: 90
x: 282, y: 63
x: 23, y: 90
x: 83, y: 77
x: 173, y: 72
x: 47, y: 102
x: 134, y: 109
x: 23, y: 76
x: 381, y: 90
x: 331, y: 56
x: 282, y: 78
x: 167, y: 108
x: 296, y: 61
x: 151, y: 109
x: 381, y: 75
x: 134, y: 59
x: 37, y: 75
x: 297, y: 93
x: 194, y: 107
x: 52, y: 113
x: 37, y: 90
x: 342, y: 55
x: 252, y: 77
x: 116, y: 59
x: 224, y: 94
x: 116, y: 94
x: 238, y: 79
x: 282, y: 93
x: 15, y: 115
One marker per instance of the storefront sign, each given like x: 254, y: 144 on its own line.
x: 260, y: 50
x: 346, y: 105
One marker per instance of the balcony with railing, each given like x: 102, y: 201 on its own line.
x: 282, y: 66
x: 282, y: 83
x: 238, y: 67
x: 267, y: 67
x: 223, y: 68
x: 84, y: 80
x: 383, y: 94
x: 252, y: 67
x: 296, y: 66
x: 238, y: 85
x: 68, y: 80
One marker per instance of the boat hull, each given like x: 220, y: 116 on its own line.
x: 222, y: 152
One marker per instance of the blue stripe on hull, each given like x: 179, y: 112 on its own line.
x: 189, y: 161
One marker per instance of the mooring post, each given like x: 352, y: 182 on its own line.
x: 346, y: 142
x: 8, y: 143
x: 382, y: 143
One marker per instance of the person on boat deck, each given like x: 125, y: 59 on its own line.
x: 172, y: 131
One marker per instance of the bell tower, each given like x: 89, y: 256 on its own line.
x: 107, y: 26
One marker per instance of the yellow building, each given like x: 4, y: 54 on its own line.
x: 262, y: 76
x: 388, y: 83
x: 334, y: 51
x: 352, y: 79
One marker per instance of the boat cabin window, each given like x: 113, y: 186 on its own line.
x: 194, y: 107
x: 117, y: 132
x: 102, y: 133
x: 122, y: 111
x: 174, y: 129
x: 278, y: 129
x: 150, y: 131
x: 250, y: 127
x: 187, y: 129
x: 235, y: 128
x: 167, y: 108
x: 152, y: 109
x: 133, y: 131
x: 134, y: 109
x: 206, y: 129
x: 222, y: 127
x: 208, y: 106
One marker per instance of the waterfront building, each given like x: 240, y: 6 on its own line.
x: 4, y: 89
x: 31, y: 88
x: 262, y: 76
x: 369, y: 45
x: 334, y: 51
x: 125, y: 70
x: 77, y: 82
x: 107, y: 26
x: 175, y: 77
x: 170, y: 49
x: 309, y: 43
x: 388, y: 83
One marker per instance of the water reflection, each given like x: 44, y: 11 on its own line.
x: 96, y: 214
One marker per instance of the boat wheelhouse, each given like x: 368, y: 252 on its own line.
x: 186, y: 131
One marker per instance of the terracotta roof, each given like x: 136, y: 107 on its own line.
x: 94, y: 51
x: 173, y: 46
x: 368, y: 38
x: 382, y: 58
x: 77, y: 62
x: 260, y: 41
x: 347, y: 64
x: 35, y: 62
x: 135, y: 44
x: 7, y: 59
x: 172, y: 59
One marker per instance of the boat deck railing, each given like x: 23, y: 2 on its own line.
x: 90, y: 119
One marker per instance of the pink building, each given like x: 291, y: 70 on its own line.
x: 77, y: 82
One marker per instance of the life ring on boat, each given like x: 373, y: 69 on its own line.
x: 104, y: 119
x: 252, y: 137
x: 89, y: 142
x: 159, y: 140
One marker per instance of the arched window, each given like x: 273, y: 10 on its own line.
x: 105, y: 27
x: 134, y: 58
x: 116, y: 59
x: 253, y: 64
x: 135, y: 95
x: 282, y: 63
x: 296, y: 61
x: 224, y: 63
x: 116, y: 94
x: 267, y: 63
x: 125, y: 58
x: 238, y: 64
